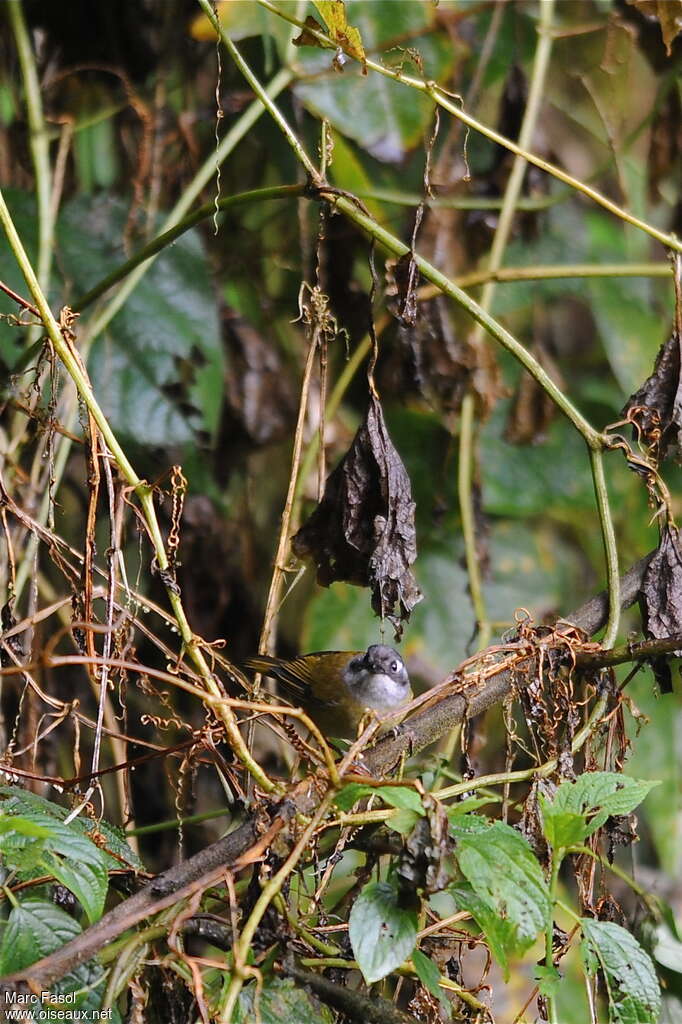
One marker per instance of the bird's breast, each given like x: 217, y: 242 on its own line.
x: 379, y: 691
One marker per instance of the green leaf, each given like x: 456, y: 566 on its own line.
x: 347, y: 797
x: 657, y: 745
x: 631, y: 984
x: 561, y: 828
x: 500, y: 933
x: 429, y: 975
x: 667, y: 948
x: 382, y: 934
x: 427, y: 972
x: 463, y: 824
x: 50, y: 816
x: 469, y: 804
x: 33, y: 930
x: 579, y: 808
x: 88, y: 882
x: 402, y: 797
x: 502, y: 870
x: 280, y: 1001
x: 534, y: 480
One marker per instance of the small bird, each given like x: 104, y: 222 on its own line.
x: 336, y: 688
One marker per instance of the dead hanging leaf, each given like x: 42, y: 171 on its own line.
x: 363, y: 530
x: 661, y: 599
x: 656, y: 409
x: 344, y: 35
x: 668, y: 13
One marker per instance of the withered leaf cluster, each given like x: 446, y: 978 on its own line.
x: 661, y: 599
x: 363, y: 530
x: 656, y: 408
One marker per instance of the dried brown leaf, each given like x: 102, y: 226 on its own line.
x: 363, y: 530
x: 661, y: 598
x: 656, y: 408
x: 668, y: 13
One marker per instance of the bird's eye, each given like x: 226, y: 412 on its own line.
x: 394, y: 666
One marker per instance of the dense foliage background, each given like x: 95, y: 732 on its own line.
x: 117, y: 121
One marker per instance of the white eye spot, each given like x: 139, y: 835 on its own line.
x: 394, y: 666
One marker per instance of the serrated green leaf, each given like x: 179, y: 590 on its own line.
x: 382, y: 934
x: 502, y: 870
x: 34, y: 929
x: 45, y: 813
x: 631, y: 984
x: 579, y: 808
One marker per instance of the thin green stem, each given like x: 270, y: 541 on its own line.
x: 398, y: 198
x: 610, y: 547
x: 447, y: 102
x: 75, y: 370
x: 173, y: 823
x: 465, y: 476
x: 561, y: 271
x: 38, y: 141
x: 326, y: 948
